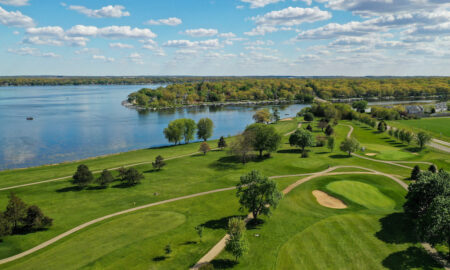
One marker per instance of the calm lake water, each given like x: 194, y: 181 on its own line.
x: 76, y: 122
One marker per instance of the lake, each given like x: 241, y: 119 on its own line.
x: 77, y: 122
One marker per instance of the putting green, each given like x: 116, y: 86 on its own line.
x: 90, y: 247
x: 362, y: 194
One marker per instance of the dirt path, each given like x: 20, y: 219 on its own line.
x: 219, y: 247
x: 290, y: 132
x: 97, y: 171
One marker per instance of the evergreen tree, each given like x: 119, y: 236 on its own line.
x: 415, y: 173
x: 83, y: 176
x: 159, y: 163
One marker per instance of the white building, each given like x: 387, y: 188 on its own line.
x: 414, y: 109
x: 441, y: 107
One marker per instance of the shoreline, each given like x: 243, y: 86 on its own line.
x: 129, y: 105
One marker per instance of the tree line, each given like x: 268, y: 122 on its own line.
x: 292, y: 89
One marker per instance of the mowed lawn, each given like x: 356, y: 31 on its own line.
x: 369, y: 234
x: 437, y: 127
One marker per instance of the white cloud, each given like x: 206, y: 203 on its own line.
x: 227, y: 35
x: 109, y: 11
x: 173, y: 21
x: 15, y: 19
x: 292, y: 16
x: 261, y: 30
x: 111, y: 32
x: 201, y: 32
x: 260, y: 3
x: 103, y: 58
x: 52, y: 35
x: 377, y: 7
x: 14, y: 2
x: 136, y: 58
x: 88, y: 51
x: 204, y: 44
x: 36, y: 40
x: 54, y: 31
x: 27, y: 51
x: 119, y: 45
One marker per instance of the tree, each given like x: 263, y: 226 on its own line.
x: 204, y: 148
x: 159, y: 163
x: 205, y: 128
x: 257, y: 194
x: 422, y: 139
x: 415, y: 172
x: 122, y: 173
x: 322, y: 124
x: 83, y: 176
x: 382, y: 126
x: 360, y: 105
x: 236, y: 243
x: 329, y: 130
x: 263, y: 137
x: 189, y: 129
x: 301, y: 138
x: 16, y: 211
x: 432, y: 168
x: 174, y: 132
x: 275, y: 115
x: 391, y: 132
x: 105, y: 178
x: 309, y: 128
x: 132, y: 177
x: 308, y: 117
x: 349, y: 145
x: 222, y: 143
x: 241, y: 147
x: 199, y: 230
x: 428, y: 207
x: 408, y: 136
x: 262, y: 116
x: 5, y: 225
x: 330, y: 143
x: 35, y: 219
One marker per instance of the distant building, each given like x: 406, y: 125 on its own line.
x: 441, y: 107
x: 414, y: 109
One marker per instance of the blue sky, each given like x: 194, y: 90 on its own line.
x: 225, y: 37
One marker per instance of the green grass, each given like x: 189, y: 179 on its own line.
x: 361, y: 193
x: 437, y: 127
x: 301, y: 234
x: 70, y: 207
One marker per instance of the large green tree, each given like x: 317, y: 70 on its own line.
x: 174, y: 132
x: 262, y: 116
x: 360, y: 105
x: 302, y: 138
x: 189, y: 129
x: 428, y: 206
x: 241, y: 147
x: 257, y: 193
x: 349, y: 145
x: 105, y: 178
x: 263, y: 137
x: 83, y: 176
x: 236, y: 243
x: 205, y: 128
x: 16, y: 211
x: 422, y: 139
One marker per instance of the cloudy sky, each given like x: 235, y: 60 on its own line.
x: 225, y: 37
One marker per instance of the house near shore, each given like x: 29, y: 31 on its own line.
x: 441, y: 107
x: 414, y: 109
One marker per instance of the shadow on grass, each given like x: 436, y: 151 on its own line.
x: 413, y: 149
x: 69, y: 189
x: 159, y: 258
x: 290, y: 151
x: 97, y: 187
x: 226, y: 163
x: 322, y: 153
x: 223, y: 263
x: 124, y: 185
x: 187, y: 243
x: 340, y: 156
x: 26, y: 230
x: 219, y: 223
x: 255, y: 224
x: 396, y: 228
x: 413, y: 257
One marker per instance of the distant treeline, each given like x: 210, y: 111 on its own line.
x: 32, y: 81
x: 290, y: 89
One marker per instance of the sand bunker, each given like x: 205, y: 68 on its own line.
x: 371, y: 154
x: 286, y: 119
x: 328, y: 201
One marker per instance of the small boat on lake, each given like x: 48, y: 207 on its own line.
x: 30, y: 118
